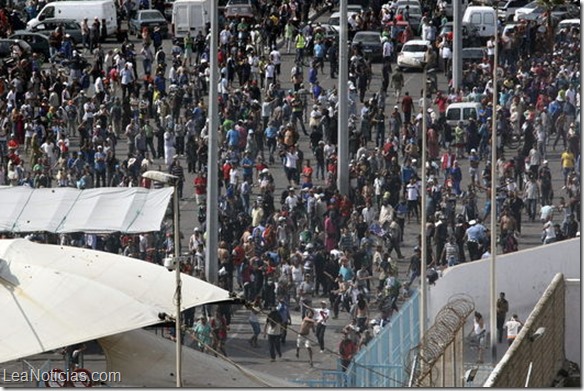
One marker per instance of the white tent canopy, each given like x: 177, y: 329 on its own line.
x: 53, y: 296
x: 64, y: 209
x: 148, y: 360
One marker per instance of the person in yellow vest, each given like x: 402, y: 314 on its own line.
x: 300, y: 43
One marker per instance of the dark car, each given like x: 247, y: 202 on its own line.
x: 7, y: 44
x: 370, y: 42
x: 47, y: 26
x: 150, y: 19
x: 236, y: 9
x: 37, y: 41
x: 473, y: 55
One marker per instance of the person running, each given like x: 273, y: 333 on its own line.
x: 306, y: 326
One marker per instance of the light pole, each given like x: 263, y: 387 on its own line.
x: 493, y: 280
x: 172, y: 179
x: 423, y: 247
x: 343, y: 112
x: 212, y: 220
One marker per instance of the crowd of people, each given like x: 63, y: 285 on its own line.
x: 62, y: 125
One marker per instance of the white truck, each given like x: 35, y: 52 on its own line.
x: 189, y: 15
x: 480, y: 20
x: 79, y: 10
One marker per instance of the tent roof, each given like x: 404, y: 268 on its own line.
x: 64, y: 209
x: 53, y: 296
x: 149, y: 360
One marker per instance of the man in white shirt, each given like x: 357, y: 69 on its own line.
x: 321, y: 316
x: 276, y: 59
x: 513, y: 327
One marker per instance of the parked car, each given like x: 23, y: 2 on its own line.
x: 568, y: 24
x: 415, y: 18
x: 370, y: 42
x: 412, y: 54
x: 47, y: 26
x: 531, y: 11
x: 506, y: 8
x: 7, y: 44
x: 38, y: 42
x: 473, y: 55
x: 564, y: 11
x: 150, y: 19
x: 335, y: 19
x: 236, y: 9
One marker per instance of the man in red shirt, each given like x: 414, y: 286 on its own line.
x: 200, y: 183
x: 347, y: 349
x: 226, y: 169
x: 407, y: 104
x: 442, y: 102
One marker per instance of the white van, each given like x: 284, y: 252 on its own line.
x: 462, y: 111
x: 481, y: 19
x: 189, y: 15
x: 79, y: 10
x: 568, y: 24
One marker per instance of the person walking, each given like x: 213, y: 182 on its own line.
x: 480, y: 333
x: 502, y: 309
x: 273, y: 332
x: 254, y: 323
x: 322, y: 316
x: 307, y: 324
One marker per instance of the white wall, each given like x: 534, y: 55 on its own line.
x: 523, y: 276
x: 572, y: 341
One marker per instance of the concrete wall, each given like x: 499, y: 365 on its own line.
x: 545, y: 352
x: 523, y: 276
x: 573, y: 343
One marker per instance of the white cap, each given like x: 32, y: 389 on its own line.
x: 472, y: 222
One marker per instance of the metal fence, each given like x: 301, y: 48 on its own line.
x: 382, y: 362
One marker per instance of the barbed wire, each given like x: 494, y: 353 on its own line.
x: 449, y: 320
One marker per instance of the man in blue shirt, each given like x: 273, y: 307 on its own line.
x: 475, y: 235
x: 232, y: 137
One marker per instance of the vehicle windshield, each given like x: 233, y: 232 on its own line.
x: 414, y: 48
x: 414, y: 10
x: 532, y: 5
x: 151, y: 15
x: 367, y: 38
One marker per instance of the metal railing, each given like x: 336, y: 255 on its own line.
x: 381, y: 362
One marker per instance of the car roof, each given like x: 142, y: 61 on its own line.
x: 57, y: 20
x: 417, y: 42
x: 368, y: 32
x: 337, y: 14
x: 570, y: 21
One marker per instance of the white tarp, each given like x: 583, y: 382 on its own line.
x: 53, y: 296
x: 64, y: 209
x: 148, y: 360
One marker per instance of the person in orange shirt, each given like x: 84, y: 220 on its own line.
x: 307, y: 171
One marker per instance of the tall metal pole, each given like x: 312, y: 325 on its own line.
x: 493, y: 202
x: 457, y: 44
x: 343, y: 117
x: 423, y: 242
x: 213, y: 154
x: 178, y: 331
